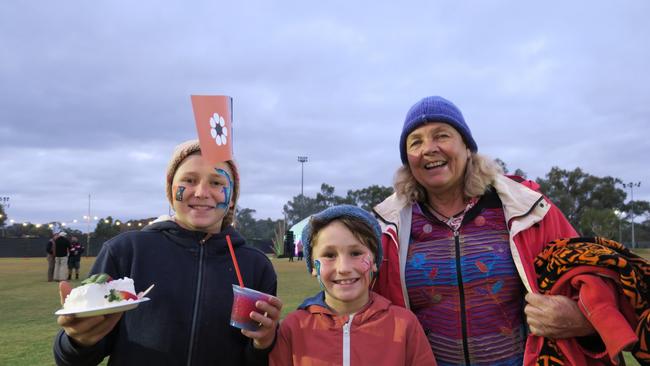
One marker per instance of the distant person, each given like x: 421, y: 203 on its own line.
x: 346, y: 323
x: 61, y: 245
x: 74, y: 257
x: 292, y: 249
x: 49, y: 252
x: 187, y: 257
x: 300, y: 252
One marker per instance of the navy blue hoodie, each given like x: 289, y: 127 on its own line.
x: 186, y: 322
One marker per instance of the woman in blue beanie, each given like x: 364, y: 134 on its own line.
x: 460, y: 239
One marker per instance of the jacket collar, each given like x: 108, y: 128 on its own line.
x: 316, y: 305
x: 389, y: 209
x: 518, y: 199
x: 188, y: 238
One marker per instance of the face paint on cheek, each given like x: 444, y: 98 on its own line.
x: 365, y: 264
x: 317, y: 265
x: 179, y: 193
x: 226, y: 190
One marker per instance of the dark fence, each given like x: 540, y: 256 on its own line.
x: 35, y: 247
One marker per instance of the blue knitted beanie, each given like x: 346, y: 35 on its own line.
x: 434, y: 109
x: 335, y: 212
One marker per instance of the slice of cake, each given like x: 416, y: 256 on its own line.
x: 100, y: 290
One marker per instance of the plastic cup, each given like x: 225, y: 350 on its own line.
x: 243, y: 303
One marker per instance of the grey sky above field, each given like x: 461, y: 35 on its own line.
x: 95, y: 95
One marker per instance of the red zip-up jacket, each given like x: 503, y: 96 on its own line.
x: 379, y: 334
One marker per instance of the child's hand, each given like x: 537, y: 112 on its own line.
x: 268, y: 317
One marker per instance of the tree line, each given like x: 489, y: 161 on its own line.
x: 594, y: 206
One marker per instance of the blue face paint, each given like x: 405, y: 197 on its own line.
x: 226, y: 190
x: 179, y: 193
x: 317, y: 266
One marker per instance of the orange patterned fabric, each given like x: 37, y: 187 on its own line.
x: 562, y: 255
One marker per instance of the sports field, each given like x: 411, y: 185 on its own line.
x: 28, y: 301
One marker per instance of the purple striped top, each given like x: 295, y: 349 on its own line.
x: 465, y: 291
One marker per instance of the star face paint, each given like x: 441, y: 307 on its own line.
x: 227, y: 191
x: 343, y: 267
x: 179, y: 193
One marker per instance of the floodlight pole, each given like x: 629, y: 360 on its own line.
x: 88, y: 228
x: 302, y: 160
x: 631, y: 186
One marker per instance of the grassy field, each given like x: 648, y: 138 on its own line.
x: 28, y: 301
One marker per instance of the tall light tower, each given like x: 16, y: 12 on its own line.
x: 302, y: 160
x: 631, y: 186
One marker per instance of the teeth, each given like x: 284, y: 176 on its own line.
x: 435, y: 164
x: 346, y: 282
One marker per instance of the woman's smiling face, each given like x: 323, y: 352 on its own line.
x: 437, y: 157
x: 201, y: 194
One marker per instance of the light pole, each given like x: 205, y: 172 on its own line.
x: 619, y: 216
x: 631, y: 186
x: 302, y: 160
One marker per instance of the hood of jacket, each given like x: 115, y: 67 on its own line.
x: 216, y: 242
x: 316, y: 305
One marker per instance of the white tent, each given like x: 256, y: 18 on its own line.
x: 297, y: 232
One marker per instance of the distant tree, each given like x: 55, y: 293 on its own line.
x: 302, y: 206
x: 502, y: 164
x: 265, y: 229
x: 520, y: 173
x: 3, y: 216
x: 505, y: 169
x: 245, y: 222
x: 599, y: 222
x: 29, y: 230
x: 368, y: 197
x: 326, y: 198
x: 106, y: 228
x: 575, y: 192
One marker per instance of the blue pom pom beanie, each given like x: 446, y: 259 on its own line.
x: 335, y: 212
x: 434, y: 109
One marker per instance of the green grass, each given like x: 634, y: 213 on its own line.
x: 28, y: 301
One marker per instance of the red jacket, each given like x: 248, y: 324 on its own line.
x: 379, y: 334
x: 532, y: 221
x: 601, y: 275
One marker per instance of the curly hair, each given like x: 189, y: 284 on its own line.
x: 480, y: 173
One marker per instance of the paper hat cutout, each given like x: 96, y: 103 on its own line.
x: 213, y: 116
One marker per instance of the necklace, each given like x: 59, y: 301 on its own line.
x: 455, y: 220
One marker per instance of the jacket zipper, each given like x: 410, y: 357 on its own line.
x: 195, y: 312
x: 346, y: 341
x: 461, y: 293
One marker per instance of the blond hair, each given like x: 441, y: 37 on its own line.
x: 480, y: 173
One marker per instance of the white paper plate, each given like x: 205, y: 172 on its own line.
x: 102, y: 310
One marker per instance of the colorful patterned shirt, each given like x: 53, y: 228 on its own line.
x: 464, y: 288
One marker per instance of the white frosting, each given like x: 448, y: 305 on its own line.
x: 93, y: 295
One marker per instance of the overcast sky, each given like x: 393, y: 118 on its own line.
x: 95, y: 95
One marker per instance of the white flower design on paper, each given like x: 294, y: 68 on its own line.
x: 218, y: 129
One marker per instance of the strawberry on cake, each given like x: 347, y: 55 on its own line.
x: 100, y: 290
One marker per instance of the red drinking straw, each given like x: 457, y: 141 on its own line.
x: 234, y: 261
